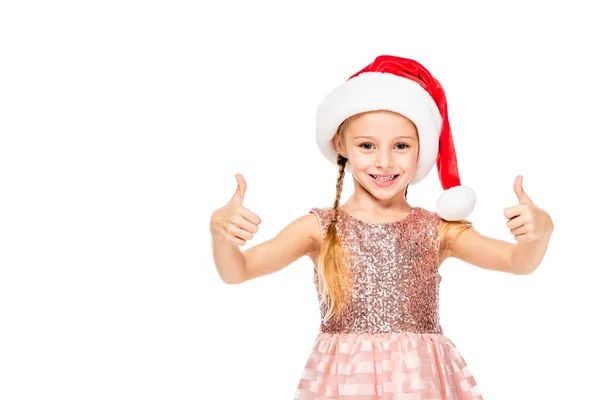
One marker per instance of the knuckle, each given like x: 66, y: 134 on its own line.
x: 230, y: 228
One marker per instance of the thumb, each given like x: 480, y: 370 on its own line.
x: 521, y: 195
x: 238, y: 196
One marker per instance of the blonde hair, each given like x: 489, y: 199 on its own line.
x: 335, y: 283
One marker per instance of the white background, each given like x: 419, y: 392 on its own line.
x: 122, y: 127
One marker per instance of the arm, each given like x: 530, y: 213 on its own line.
x: 229, y: 260
x: 482, y: 251
x: 531, y: 227
x: 295, y: 240
x: 527, y: 256
x: 520, y: 258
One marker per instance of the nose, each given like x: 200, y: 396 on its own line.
x: 384, y: 160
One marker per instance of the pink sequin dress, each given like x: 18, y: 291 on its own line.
x: 389, y: 344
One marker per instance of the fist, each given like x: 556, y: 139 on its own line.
x: 233, y: 222
x: 526, y: 221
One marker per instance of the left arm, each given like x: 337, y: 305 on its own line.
x: 527, y: 256
x: 520, y: 258
x: 482, y: 251
x: 531, y: 227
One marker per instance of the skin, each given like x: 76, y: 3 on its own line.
x: 384, y: 153
x: 391, y: 148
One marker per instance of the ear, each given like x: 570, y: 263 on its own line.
x: 338, y: 145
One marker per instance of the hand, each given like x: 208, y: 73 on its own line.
x: 527, y: 221
x: 233, y: 222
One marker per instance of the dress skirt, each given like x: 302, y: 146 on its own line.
x: 386, y: 365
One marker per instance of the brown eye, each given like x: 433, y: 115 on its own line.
x: 369, y: 144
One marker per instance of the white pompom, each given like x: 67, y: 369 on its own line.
x: 456, y: 203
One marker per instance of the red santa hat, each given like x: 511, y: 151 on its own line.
x: 404, y: 86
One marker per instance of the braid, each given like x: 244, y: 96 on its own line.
x: 335, y: 283
x: 341, y: 162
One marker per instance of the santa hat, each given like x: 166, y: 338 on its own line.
x: 404, y: 86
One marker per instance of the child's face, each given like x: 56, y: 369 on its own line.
x: 380, y: 143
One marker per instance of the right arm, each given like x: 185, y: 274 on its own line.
x: 297, y: 239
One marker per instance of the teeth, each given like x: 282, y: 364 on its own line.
x: 389, y: 178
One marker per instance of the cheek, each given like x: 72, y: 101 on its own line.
x: 410, y: 161
x: 360, y: 163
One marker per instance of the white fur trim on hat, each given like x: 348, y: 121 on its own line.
x: 371, y: 91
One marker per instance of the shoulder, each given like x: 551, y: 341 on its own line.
x: 321, y: 212
x: 435, y: 218
x: 430, y: 217
x: 425, y: 212
x: 321, y: 218
x: 305, y: 229
x: 447, y: 230
x: 443, y: 232
x: 451, y: 231
x: 318, y: 219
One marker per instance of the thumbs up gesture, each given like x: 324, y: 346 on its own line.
x: 233, y: 222
x: 526, y: 221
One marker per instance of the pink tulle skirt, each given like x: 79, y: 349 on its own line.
x: 390, y: 365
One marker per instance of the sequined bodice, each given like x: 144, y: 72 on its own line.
x: 394, y: 266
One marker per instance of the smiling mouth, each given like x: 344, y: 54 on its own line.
x: 385, y: 178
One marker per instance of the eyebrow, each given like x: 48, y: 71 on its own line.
x: 371, y: 137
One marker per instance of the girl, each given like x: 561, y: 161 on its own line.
x: 376, y: 257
